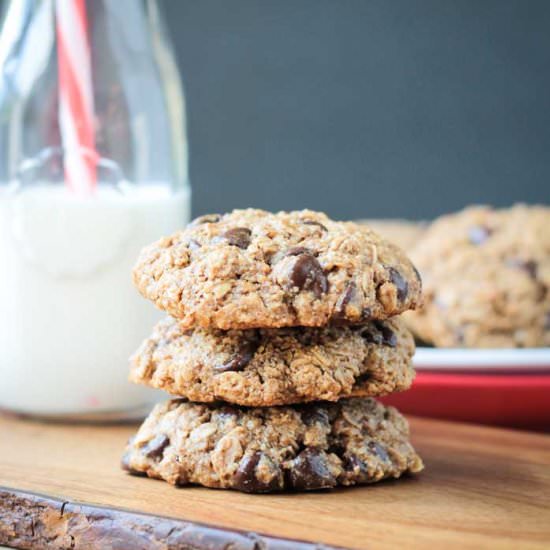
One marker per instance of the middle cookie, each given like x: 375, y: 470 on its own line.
x: 267, y: 367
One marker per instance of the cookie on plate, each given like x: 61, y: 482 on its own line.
x: 486, y: 276
x: 251, y: 268
x: 265, y: 367
x: 316, y: 446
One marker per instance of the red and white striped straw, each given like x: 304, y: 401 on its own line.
x: 76, y: 105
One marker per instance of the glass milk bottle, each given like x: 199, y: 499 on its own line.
x: 93, y: 166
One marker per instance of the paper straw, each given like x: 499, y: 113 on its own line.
x: 76, y: 108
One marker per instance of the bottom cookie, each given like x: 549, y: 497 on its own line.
x: 259, y: 450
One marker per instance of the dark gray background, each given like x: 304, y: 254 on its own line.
x: 365, y: 108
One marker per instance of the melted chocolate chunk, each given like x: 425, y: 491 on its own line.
x: 240, y: 360
x: 388, y: 336
x: 310, y: 470
x: 547, y: 321
x: 336, y: 449
x: 307, y: 274
x: 353, y: 463
x: 478, y: 234
x: 377, y: 450
x: 237, y: 236
x: 314, y: 415
x: 529, y: 266
x: 207, y: 218
x: 400, y: 283
x: 349, y: 296
x: 382, y: 335
x: 366, y: 313
x: 245, y: 478
x: 313, y: 222
x: 154, y: 449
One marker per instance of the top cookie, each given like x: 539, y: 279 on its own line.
x: 487, y: 279
x: 254, y: 269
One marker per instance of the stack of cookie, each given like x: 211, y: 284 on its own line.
x: 282, y: 328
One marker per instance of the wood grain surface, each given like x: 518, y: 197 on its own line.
x: 482, y: 488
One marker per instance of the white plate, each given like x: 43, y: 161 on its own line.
x: 527, y: 359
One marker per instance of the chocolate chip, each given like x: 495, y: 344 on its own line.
x: 529, y: 266
x: 313, y: 414
x: 382, y: 335
x: 547, y: 321
x: 336, y: 449
x: 245, y: 478
x: 377, y: 450
x: 207, y: 218
x: 400, y: 283
x: 363, y: 378
x: 350, y: 296
x: 366, y: 313
x: 478, y: 234
x: 388, y: 336
x: 240, y: 360
x: 237, y: 236
x: 307, y: 274
x: 154, y: 449
x: 313, y: 222
x: 310, y: 470
x: 353, y: 463
x: 297, y: 250
x: 371, y: 336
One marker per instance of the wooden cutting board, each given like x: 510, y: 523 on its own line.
x: 482, y: 488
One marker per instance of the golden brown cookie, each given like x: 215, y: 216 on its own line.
x: 254, y: 269
x: 317, y: 446
x: 265, y: 367
x: 486, y: 276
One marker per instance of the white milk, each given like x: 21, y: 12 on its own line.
x: 69, y: 314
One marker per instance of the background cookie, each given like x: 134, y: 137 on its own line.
x: 260, y: 450
x: 260, y: 367
x: 486, y: 277
x: 251, y: 268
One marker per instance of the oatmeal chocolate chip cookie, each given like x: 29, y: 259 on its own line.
x: 251, y: 268
x: 404, y: 233
x: 265, y: 367
x: 486, y: 279
x: 316, y: 446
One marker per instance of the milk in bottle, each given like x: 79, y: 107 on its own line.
x: 69, y: 315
